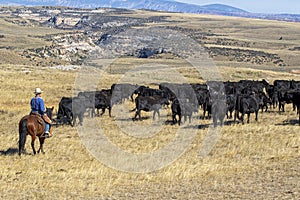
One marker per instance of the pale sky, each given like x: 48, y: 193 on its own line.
x: 256, y: 6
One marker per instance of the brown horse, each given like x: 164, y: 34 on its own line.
x: 34, y: 126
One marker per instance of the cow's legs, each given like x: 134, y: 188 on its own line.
x: 242, y: 118
x: 281, y: 106
x: 136, y: 114
x: 69, y: 118
x: 236, y: 115
x: 179, y: 119
x: 80, y: 117
x: 215, y: 121
x: 109, y: 111
x: 156, y: 111
x: 294, y: 106
x: 174, y: 120
x: 103, y: 111
x: 185, y: 116
x: 139, y: 113
x: 204, y: 111
x: 154, y: 114
x: 221, y: 121
x: 256, y: 115
x: 74, y: 120
x: 248, y: 118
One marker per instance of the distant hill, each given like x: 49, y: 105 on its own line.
x: 158, y: 5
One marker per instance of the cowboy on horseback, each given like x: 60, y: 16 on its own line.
x: 38, y: 107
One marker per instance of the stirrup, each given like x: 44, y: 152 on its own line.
x: 46, y: 135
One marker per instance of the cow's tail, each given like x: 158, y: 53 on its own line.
x: 22, y: 135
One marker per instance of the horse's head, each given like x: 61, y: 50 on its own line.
x: 49, y: 112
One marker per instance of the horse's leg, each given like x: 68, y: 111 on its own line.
x: 22, y: 136
x: 32, y: 143
x: 42, y: 140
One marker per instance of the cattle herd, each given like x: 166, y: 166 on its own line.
x: 215, y: 99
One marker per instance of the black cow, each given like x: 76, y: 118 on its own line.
x: 69, y: 109
x: 285, y: 97
x: 202, y: 97
x: 182, y: 107
x: 64, y: 113
x: 149, y: 103
x: 78, y: 109
x: 215, y: 90
x: 103, y: 101
x: 289, y: 97
x: 88, y: 98
x: 246, y: 104
x: 218, y: 110
x: 230, y: 105
x: 280, y: 88
x: 217, y: 101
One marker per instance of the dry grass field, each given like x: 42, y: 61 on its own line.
x: 260, y: 160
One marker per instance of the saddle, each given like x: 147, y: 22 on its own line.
x: 38, y: 118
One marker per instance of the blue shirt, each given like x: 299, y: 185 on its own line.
x: 37, y: 105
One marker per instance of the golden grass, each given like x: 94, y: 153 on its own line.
x: 67, y: 170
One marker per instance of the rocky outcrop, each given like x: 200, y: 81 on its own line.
x: 243, y: 55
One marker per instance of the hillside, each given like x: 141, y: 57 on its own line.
x: 264, y: 44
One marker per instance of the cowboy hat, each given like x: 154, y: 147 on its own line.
x: 38, y: 91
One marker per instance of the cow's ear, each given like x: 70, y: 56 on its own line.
x: 52, y: 108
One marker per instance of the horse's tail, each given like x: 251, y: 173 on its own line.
x: 22, y: 135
